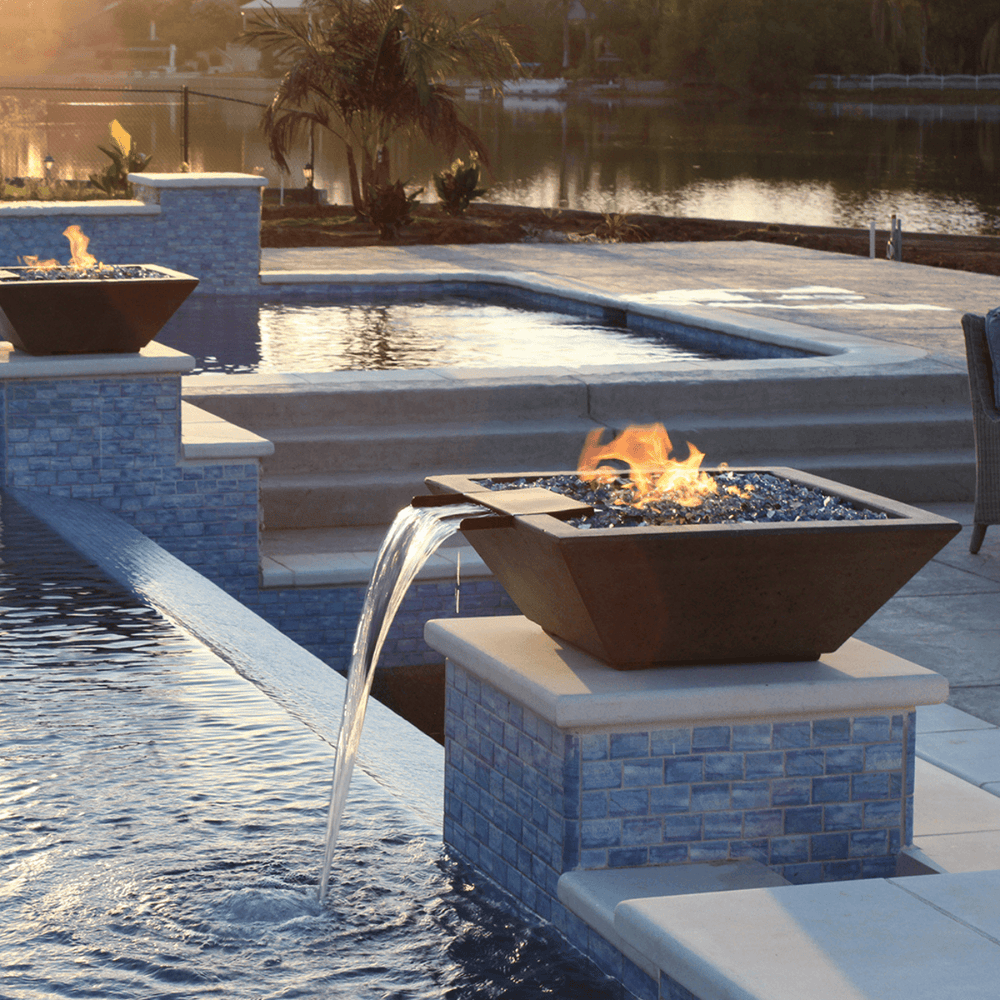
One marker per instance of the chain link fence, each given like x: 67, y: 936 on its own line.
x: 65, y: 126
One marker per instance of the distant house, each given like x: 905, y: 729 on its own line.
x: 264, y: 4
x: 576, y: 12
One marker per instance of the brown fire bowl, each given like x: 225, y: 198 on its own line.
x: 89, y: 315
x: 727, y: 593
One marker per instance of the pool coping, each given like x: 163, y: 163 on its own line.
x: 835, y: 352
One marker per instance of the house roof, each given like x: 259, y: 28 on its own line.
x: 279, y: 4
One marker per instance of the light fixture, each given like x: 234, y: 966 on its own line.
x: 49, y: 164
x: 307, y: 173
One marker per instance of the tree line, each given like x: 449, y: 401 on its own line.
x: 762, y: 46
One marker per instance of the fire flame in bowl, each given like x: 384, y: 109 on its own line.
x: 80, y: 259
x: 645, y: 449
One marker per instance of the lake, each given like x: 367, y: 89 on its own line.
x: 819, y: 164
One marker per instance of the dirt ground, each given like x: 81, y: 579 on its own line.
x: 335, y: 226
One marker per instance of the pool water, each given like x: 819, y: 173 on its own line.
x: 162, y: 825
x: 244, y: 337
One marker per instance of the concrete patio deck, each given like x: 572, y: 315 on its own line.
x: 901, y: 303
x: 947, y: 618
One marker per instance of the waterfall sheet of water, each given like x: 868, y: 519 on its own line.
x: 412, y: 538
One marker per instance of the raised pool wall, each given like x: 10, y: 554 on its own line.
x: 107, y: 429
x: 203, y: 224
x: 110, y: 432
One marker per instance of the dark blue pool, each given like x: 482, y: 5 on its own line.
x: 163, y: 825
x: 377, y: 329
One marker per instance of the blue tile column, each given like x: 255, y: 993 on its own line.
x: 114, y: 439
x: 204, y: 224
x: 817, y: 801
x: 823, y: 799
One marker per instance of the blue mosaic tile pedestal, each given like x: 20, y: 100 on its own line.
x: 555, y: 762
x: 106, y: 428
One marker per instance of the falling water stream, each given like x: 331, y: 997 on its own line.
x: 412, y: 538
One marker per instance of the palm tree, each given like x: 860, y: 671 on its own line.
x: 367, y: 70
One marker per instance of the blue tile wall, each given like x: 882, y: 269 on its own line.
x: 212, y: 233
x: 324, y: 619
x: 783, y: 794
x: 116, y: 441
x: 670, y: 989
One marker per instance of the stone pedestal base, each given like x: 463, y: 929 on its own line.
x: 556, y: 763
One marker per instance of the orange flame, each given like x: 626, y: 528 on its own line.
x: 655, y: 476
x: 39, y: 265
x: 80, y: 259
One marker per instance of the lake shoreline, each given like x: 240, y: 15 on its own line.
x: 335, y: 226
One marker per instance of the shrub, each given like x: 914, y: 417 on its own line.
x: 125, y: 160
x: 389, y: 208
x: 458, y: 185
x: 617, y: 228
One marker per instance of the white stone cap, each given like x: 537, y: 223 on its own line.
x: 153, y: 359
x: 574, y: 691
x: 82, y: 208
x: 921, y: 938
x: 205, y: 436
x: 355, y: 568
x: 198, y: 180
x: 595, y: 895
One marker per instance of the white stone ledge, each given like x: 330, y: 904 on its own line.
x: 595, y: 895
x: 154, y: 359
x: 39, y: 209
x: 574, y: 691
x: 197, y: 180
x: 354, y: 569
x: 919, y: 938
x: 204, y: 437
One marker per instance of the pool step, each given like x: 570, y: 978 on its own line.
x: 373, y: 399
x: 373, y: 498
x: 551, y: 444
x: 556, y: 444
x: 350, y: 450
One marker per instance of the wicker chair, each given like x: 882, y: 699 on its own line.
x: 986, y: 425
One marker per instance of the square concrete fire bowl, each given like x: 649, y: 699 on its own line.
x: 88, y: 315
x: 683, y: 594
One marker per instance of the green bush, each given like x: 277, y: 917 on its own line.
x: 458, y: 185
x: 114, y: 180
x: 389, y: 208
x: 40, y: 190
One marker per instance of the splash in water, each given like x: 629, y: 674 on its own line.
x: 412, y: 538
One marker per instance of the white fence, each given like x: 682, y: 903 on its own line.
x: 895, y: 81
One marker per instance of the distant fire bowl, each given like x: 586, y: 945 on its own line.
x: 728, y: 593
x: 88, y: 315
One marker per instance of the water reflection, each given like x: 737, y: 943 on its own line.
x: 244, y: 338
x: 824, y: 164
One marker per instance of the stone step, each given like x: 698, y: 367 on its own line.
x: 341, y: 557
x: 395, y: 398
x: 538, y: 445
x: 665, y: 398
x: 909, y: 477
x: 353, y: 499
x: 553, y: 444
x: 423, y: 397
x: 344, y: 500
